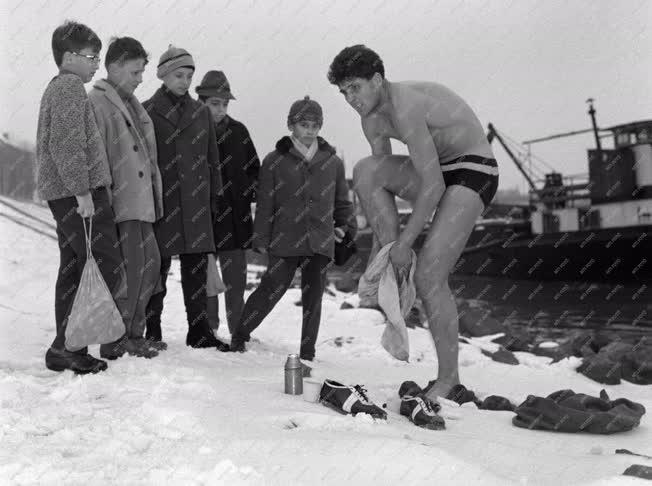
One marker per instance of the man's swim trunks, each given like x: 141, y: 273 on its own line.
x: 475, y: 172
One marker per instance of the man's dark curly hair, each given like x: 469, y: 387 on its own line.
x: 355, y: 62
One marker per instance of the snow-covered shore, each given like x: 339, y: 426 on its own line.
x: 203, y: 417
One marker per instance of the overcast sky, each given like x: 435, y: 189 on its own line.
x: 527, y: 66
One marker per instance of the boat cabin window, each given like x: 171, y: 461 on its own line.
x: 589, y: 218
x: 625, y: 139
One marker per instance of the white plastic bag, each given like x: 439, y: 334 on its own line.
x: 214, y: 283
x: 94, y: 317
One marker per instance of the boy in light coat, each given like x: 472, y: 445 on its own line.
x: 136, y: 192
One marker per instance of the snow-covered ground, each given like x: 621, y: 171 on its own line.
x: 203, y: 417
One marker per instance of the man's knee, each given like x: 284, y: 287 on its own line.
x: 364, y: 171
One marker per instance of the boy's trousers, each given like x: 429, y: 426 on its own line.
x: 193, y: 284
x: 233, y: 264
x: 273, y: 285
x: 72, y: 249
x: 142, y: 262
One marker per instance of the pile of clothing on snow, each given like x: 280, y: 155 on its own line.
x: 561, y: 411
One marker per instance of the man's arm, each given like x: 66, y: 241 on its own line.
x: 380, y: 145
x: 423, y: 154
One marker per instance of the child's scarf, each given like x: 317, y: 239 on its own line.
x: 307, y: 152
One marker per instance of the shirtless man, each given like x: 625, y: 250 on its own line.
x: 451, y: 168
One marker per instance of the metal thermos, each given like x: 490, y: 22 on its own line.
x: 293, y: 375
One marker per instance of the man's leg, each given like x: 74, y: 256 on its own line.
x: 453, y: 223
x: 133, y: 254
x: 134, y: 261
x: 377, y: 181
x: 70, y: 269
x: 233, y: 264
x: 273, y: 285
x: 193, y: 283
x: 151, y: 273
x: 313, y: 283
x: 155, y: 305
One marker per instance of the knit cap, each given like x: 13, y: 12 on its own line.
x: 173, y: 58
x: 305, y: 109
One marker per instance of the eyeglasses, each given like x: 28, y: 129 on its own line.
x: 90, y: 57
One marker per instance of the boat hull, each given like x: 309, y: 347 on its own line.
x: 511, y: 251
x: 602, y: 255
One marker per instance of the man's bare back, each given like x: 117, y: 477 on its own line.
x: 453, y: 126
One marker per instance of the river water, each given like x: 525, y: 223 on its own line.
x: 556, y: 309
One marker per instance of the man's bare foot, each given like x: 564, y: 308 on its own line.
x: 440, y: 388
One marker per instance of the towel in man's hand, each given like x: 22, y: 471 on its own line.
x: 378, y: 286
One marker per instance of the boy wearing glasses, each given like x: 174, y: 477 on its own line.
x: 73, y: 176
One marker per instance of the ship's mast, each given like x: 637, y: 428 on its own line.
x: 595, y: 125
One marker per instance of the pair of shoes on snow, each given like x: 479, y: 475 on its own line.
x: 421, y: 410
x: 139, y: 347
x: 81, y: 364
x: 205, y: 339
x: 349, y: 399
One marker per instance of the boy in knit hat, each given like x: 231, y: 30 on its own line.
x: 188, y: 160
x: 233, y: 228
x: 136, y: 192
x: 73, y: 175
x: 302, y: 209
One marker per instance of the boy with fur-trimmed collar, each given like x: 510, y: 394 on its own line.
x: 302, y: 209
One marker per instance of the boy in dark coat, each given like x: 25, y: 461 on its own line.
x: 187, y: 158
x: 233, y: 228
x: 302, y: 208
x: 73, y: 176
